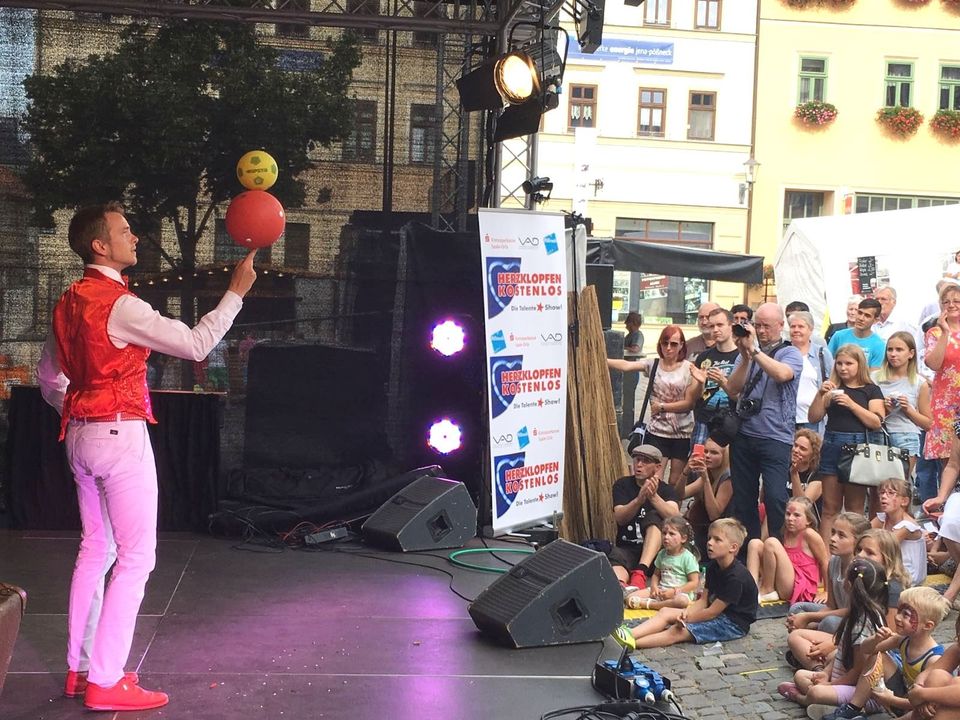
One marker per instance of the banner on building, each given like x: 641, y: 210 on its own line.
x: 525, y: 313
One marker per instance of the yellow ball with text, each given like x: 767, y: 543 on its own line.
x: 257, y: 170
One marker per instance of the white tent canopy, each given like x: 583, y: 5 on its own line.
x: 817, y: 258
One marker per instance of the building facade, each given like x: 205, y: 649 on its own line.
x: 864, y: 58
x: 651, y: 138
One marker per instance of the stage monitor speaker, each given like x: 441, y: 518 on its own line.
x: 601, y: 277
x: 428, y: 514
x: 562, y: 594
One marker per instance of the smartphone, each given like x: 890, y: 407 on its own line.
x: 698, y: 450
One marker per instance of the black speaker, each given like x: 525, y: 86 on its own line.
x: 428, y: 514
x: 561, y: 594
x: 601, y: 277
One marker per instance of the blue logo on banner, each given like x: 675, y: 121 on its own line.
x: 550, y: 243
x: 500, y: 400
x: 498, y: 294
x: 506, y: 490
x: 523, y: 437
x: 498, y: 342
x: 625, y: 50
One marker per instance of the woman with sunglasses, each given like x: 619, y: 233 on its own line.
x: 670, y: 422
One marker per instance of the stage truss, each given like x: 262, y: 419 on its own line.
x: 467, y: 31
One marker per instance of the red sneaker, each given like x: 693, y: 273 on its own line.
x: 122, y: 696
x: 638, y: 578
x: 76, y: 682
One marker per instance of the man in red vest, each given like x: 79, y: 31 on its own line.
x: 93, y: 371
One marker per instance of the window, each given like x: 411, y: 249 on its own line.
x: 226, y: 251
x: 879, y: 203
x: 653, y: 110
x: 583, y: 106
x: 665, y: 299
x: 656, y: 12
x: 813, y: 79
x: 708, y: 14
x: 295, y: 29
x: 359, y: 144
x: 899, y: 84
x: 949, y: 87
x: 296, y: 246
x: 702, y: 115
x: 423, y: 133
x: 424, y: 9
x: 801, y: 204
x: 365, y: 7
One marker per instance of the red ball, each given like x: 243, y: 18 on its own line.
x: 255, y: 219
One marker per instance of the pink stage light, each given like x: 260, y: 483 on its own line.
x: 448, y: 338
x: 445, y: 436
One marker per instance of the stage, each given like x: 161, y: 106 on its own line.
x: 231, y: 634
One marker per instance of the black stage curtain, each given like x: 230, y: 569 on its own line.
x: 674, y: 260
x: 186, y: 443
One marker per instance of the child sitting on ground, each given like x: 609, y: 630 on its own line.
x: 921, y: 610
x: 868, y: 592
x: 814, y: 649
x: 677, y: 575
x: 724, y: 612
x: 846, y: 529
x: 894, y: 500
x: 936, y: 692
x: 791, y: 570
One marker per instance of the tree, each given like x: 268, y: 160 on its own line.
x: 162, y: 121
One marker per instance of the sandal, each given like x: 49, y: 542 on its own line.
x: 792, y: 660
x: 789, y: 690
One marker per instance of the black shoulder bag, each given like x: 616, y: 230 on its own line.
x: 639, y: 433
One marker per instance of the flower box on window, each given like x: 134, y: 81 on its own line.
x: 815, y: 113
x: 838, y: 4
x: 901, y: 121
x: 946, y: 124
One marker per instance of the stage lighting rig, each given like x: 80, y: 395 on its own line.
x: 510, y: 79
x: 536, y: 187
x: 588, y: 15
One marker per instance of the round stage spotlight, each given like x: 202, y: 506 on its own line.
x: 445, y: 436
x: 516, y: 78
x: 448, y: 338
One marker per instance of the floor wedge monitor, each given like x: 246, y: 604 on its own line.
x: 562, y: 594
x: 428, y: 514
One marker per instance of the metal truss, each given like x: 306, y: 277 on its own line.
x: 464, y: 30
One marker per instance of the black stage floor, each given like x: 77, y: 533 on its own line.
x: 292, y: 634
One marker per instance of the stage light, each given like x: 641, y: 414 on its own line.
x: 538, y: 188
x: 445, y: 436
x: 590, y: 26
x: 519, y: 120
x: 510, y: 79
x: 448, y: 338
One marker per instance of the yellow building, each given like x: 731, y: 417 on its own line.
x: 860, y: 56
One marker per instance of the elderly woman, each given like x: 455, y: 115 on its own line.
x: 853, y: 303
x: 817, y: 366
x: 943, y: 357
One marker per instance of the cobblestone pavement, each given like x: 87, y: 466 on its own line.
x: 742, y: 681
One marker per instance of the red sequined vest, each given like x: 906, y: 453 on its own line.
x: 103, y: 378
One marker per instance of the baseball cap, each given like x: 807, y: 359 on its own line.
x: 648, y: 451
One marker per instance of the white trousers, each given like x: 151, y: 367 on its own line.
x: 116, y: 478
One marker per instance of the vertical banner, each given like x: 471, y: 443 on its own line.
x: 525, y: 313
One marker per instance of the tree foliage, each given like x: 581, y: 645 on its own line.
x: 162, y: 121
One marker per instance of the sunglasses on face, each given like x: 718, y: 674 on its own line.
x: 669, y: 343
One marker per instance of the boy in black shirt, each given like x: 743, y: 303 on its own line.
x: 711, y: 370
x: 724, y: 612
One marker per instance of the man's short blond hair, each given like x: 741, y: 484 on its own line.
x: 732, y: 529
x: 929, y: 604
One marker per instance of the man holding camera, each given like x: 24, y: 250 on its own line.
x: 765, y: 380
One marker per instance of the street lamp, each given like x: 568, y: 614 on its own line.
x: 750, y: 168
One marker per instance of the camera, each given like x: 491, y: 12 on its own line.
x: 740, y: 329
x: 749, y: 407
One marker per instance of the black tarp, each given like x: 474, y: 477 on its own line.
x: 636, y: 256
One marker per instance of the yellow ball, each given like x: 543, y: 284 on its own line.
x: 257, y: 170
